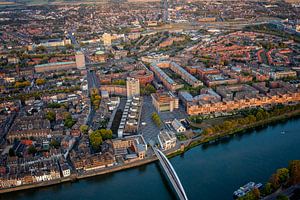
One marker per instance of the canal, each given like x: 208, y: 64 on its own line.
x: 208, y: 172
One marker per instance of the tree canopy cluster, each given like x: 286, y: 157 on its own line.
x: 21, y: 84
x: 249, y: 117
x: 119, y: 82
x: 97, y: 137
x: 51, y: 116
x: 68, y: 120
x: 283, y: 177
x: 84, y: 129
x: 95, y: 98
x: 40, y: 81
x: 148, y: 89
x: 156, y: 119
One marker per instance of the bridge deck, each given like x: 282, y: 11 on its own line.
x: 171, y: 173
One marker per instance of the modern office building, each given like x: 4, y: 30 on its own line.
x: 164, y: 101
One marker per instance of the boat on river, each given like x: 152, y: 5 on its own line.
x: 243, y: 190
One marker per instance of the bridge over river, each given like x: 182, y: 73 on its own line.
x: 171, y: 173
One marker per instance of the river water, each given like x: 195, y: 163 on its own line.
x: 207, y: 172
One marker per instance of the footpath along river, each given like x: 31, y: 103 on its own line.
x: 207, y: 172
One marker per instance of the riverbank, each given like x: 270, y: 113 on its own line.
x: 239, y: 130
x: 227, y: 163
x: 76, y: 177
x: 174, y: 152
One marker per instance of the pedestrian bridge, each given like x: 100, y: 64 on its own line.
x: 168, y: 168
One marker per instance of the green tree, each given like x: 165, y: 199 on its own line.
x: 275, y: 181
x: 95, y: 98
x: 40, y: 48
x: 119, y: 82
x: 208, y: 131
x: 22, y: 84
x: 40, y: 81
x: 11, y: 152
x: 68, y: 120
x: 69, y: 46
x: 283, y: 174
x: 32, y: 150
x: 282, y: 197
x: 51, y: 116
x: 54, y: 105
x: 259, y: 116
x: 55, y: 144
x: 148, y: 89
x: 256, y: 193
x: 96, y: 140
x: 251, y: 118
x: 227, y: 125
x: 84, y: 129
x: 106, y: 134
x: 156, y: 119
x: 267, y: 189
x: 294, y: 169
x: 252, y: 195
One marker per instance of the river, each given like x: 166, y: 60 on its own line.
x: 207, y: 172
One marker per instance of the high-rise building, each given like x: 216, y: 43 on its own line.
x: 132, y: 87
x: 80, y: 60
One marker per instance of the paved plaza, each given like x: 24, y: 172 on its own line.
x: 150, y: 130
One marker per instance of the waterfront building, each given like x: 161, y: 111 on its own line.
x: 136, y: 144
x: 166, y: 139
x: 243, y: 97
x: 65, y: 170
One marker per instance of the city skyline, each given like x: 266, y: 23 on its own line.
x: 117, y: 90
